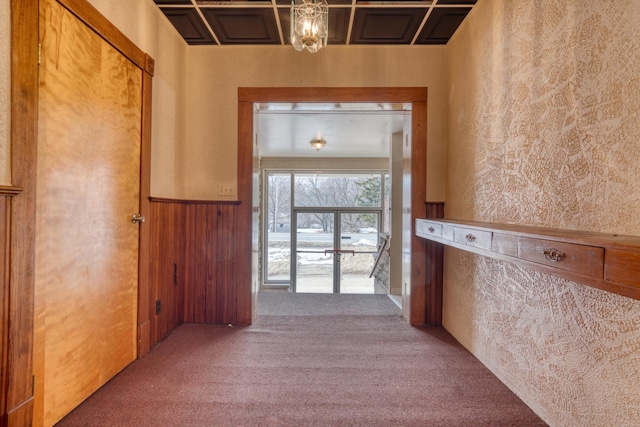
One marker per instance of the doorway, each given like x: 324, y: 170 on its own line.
x: 414, y: 186
x: 334, y: 250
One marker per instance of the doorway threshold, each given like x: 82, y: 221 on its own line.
x: 397, y: 299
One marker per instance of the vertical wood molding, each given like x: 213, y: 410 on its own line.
x: 245, y: 293
x: 17, y: 389
x: 418, y: 210
x: 144, y: 291
x: 417, y: 96
x: 5, y: 244
x: 434, y: 255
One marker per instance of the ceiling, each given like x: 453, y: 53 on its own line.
x: 351, y: 22
x: 351, y: 130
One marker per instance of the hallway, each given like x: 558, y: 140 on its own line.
x: 309, y: 360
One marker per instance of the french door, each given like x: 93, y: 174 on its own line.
x: 333, y: 250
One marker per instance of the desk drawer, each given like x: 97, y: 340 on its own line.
x: 587, y: 260
x: 428, y: 228
x: 476, y: 238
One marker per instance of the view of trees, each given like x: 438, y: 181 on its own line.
x: 312, y: 190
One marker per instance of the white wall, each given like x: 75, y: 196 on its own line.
x: 216, y: 73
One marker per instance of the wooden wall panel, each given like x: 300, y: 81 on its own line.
x: 17, y: 391
x: 5, y: 242
x: 434, y: 256
x: 202, y: 239
x: 166, y: 269
x: 224, y: 309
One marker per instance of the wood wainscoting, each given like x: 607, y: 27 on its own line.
x: 193, y: 270
x: 434, y: 255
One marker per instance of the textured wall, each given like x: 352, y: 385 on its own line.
x: 5, y: 60
x: 545, y: 130
x: 215, y: 73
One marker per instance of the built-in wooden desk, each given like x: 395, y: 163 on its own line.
x: 605, y: 261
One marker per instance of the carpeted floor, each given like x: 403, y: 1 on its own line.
x: 309, y: 360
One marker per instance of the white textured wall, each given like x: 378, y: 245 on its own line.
x: 215, y: 73
x: 545, y: 130
x: 143, y: 23
x: 5, y: 81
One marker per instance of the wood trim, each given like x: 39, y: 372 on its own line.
x: 5, y: 259
x: 434, y: 253
x: 193, y: 201
x: 246, y: 310
x: 332, y: 94
x: 18, y: 389
x: 144, y: 257
x: 418, y: 210
x: 417, y: 96
x: 6, y: 190
x: 611, y: 244
x: 88, y: 14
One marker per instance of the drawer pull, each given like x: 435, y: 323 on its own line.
x: 554, y: 255
x: 431, y: 229
x: 470, y: 238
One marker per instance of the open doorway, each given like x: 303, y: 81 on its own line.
x: 321, y: 232
x: 413, y: 182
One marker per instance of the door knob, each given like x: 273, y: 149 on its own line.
x: 136, y: 218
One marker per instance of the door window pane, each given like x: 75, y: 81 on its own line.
x: 338, y: 190
x: 278, y: 227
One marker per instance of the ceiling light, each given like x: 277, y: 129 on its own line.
x: 318, y: 143
x: 309, y: 24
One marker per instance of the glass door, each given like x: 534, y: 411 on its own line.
x: 335, y: 251
x: 358, y: 249
x: 314, y: 243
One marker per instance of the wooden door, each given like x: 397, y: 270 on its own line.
x: 87, y: 190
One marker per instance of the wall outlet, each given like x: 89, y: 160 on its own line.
x: 226, y: 190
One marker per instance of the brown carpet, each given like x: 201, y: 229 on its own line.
x: 309, y: 360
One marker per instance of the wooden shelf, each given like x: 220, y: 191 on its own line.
x: 609, y: 262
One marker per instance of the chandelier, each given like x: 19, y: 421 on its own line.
x: 309, y: 24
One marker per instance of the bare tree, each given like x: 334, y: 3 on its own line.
x: 279, y: 200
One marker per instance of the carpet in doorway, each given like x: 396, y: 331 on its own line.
x: 327, y: 360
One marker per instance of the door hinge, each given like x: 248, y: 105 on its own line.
x: 158, y: 307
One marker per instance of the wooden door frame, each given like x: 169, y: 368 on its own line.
x: 415, y: 165
x: 17, y: 387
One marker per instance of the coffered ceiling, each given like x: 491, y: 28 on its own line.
x: 351, y: 22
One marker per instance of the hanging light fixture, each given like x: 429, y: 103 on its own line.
x: 318, y: 143
x: 309, y: 24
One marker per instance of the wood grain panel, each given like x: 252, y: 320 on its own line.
x: 245, y: 292
x: 167, y: 269
x: 5, y: 245
x: 144, y: 264
x: 418, y: 178
x: 227, y: 245
x: 88, y: 14
x: 622, y: 267
x: 17, y: 390
x: 88, y: 188
x: 582, y: 259
x: 202, y: 237
x: 434, y: 255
